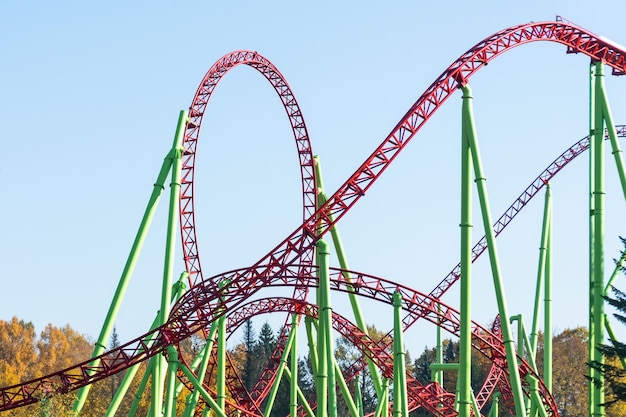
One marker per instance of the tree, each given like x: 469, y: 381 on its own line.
x: 612, y: 370
x: 248, y: 346
x: 18, y: 356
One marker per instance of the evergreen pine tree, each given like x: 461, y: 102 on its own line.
x: 248, y: 375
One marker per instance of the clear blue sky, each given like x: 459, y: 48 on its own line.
x: 90, y: 94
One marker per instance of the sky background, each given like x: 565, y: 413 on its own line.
x: 90, y: 95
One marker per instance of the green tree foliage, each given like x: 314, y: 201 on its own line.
x: 613, y: 370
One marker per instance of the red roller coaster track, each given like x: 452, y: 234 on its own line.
x: 290, y: 262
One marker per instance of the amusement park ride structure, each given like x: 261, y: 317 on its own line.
x: 217, y: 305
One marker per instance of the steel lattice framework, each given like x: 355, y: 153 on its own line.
x: 291, y: 263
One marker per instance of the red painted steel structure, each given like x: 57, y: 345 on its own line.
x: 290, y: 262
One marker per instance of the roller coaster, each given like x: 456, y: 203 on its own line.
x: 216, y: 306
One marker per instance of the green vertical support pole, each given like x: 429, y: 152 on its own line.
x: 382, y: 407
x: 592, y: 149
x: 192, y: 400
x: 509, y: 343
x: 400, y: 401
x: 345, y: 391
x: 310, y: 337
x: 221, y: 353
x: 159, y: 370
x: 303, y: 399
x: 493, y: 411
x: 541, y: 270
x: 140, y: 390
x: 293, y: 387
x: 324, y: 319
x: 359, y: 396
x: 343, y: 263
x: 596, y: 238
x: 172, y: 367
x: 131, y: 262
x: 547, y: 303
x: 279, y: 373
x: 203, y: 392
x: 465, y: 340
x: 610, y: 127
x: 221, y: 363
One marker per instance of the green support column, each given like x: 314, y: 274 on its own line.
x: 383, y: 403
x: 205, y: 353
x: 322, y: 385
x: 170, y: 398
x: 198, y: 386
x: 547, y: 304
x: 301, y: 397
x: 159, y: 371
x: 438, y: 375
x: 131, y: 261
x: 596, y: 238
x: 400, y: 400
x: 509, y: 343
x: 293, y: 383
x: 359, y: 396
x: 310, y: 337
x: 493, y: 411
x: 465, y: 341
x: 541, y: 270
x: 279, y: 372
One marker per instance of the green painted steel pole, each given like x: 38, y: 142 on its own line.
x: 465, y: 340
x: 493, y: 411
x: 293, y: 383
x: 438, y: 375
x: 359, y: 396
x: 172, y: 367
x: 279, y: 373
x: 383, y: 402
x: 592, y: 149
x: 310, y: 337
x: 400, y: 401
x: 509, y: 343
x: 205, y: 353
x: 324, y: 309
x: 547, y: 304
x: 140, y: 389
x: 523, y: 342
x: 203, y: 392
x: 301, y: 397
x: 345, y: 391
x: 597, y: 194
x: 445, y: 367
x: 615, y: 148
x: 541, y: 270
x: 159, y: 371
x: 343, y: 263
x: 129, y: 267
x: 221, y: 363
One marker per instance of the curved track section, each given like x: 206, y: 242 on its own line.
x: 189, y: 236
x: 192, y: 133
